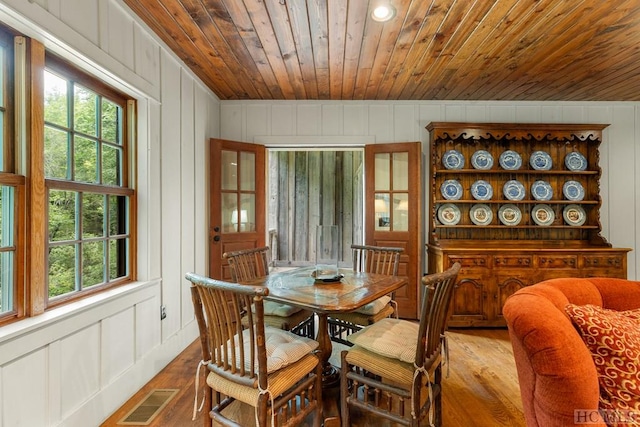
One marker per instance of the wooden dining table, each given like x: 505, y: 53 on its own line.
x: 298, y: 287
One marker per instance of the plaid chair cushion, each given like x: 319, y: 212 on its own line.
x: 272, y: 308
x: 389, y: 337
x: 283, y: 348
x: 375, y: 306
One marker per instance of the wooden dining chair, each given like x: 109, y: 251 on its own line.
x: 394, y: 371
x: 248, y: 265
x: 370, y: 259
x: 275, y: 371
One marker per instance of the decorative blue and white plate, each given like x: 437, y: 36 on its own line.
x: 509, y: 214
x: 575, y: 161
x: 574, y: 215
x: 448, y: 214
x: 510, y: 160
x: 540, y: 160
x: 481, y: 190
x: 451, y: 189
x: 543, y: 214
x: 541, y: 190
x: 453, y: 159
x: 513, y: 190
x: 481, y: 214
x: 482, y: 159
x: 573, y: 191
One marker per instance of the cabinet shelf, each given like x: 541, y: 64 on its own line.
x: 518, y: 202
x: 499, y: 259
x: 514, y: 172
x: 520, y: 227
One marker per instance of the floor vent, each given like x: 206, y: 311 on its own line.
x: 150, y: 406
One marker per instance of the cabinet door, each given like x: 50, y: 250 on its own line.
x: 507, y: 283
x: 469, y: 302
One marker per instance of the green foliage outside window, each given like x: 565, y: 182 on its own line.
x: 7, y: 197
x: 7, y: 248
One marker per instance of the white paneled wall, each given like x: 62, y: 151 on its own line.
x: 171, y: 187
x: 329, y: 122
x: 74, y: 366
x: 25, y: 390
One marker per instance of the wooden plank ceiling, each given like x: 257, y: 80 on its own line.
x: 575, y: 50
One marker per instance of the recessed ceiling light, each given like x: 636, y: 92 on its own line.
x: 383, y: 12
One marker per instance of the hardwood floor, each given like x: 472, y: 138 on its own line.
x: 481, y: 388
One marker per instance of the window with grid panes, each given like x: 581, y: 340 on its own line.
x: 11, y: 190
x: 89, y: 192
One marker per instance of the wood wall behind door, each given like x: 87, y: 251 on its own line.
x: 310, y: 188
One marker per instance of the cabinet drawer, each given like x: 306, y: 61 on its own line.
x: 557, y: 261
x: 469, y: 261
x: 519, y: 261
x: 603, y: 261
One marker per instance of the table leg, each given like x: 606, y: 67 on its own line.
x: 330, y: 374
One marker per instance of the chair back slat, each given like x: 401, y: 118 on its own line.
x: 232, y: 343
x: 435, y: 313
x: 248, y: 264
x: 202, y: 323
x: 376, y: 259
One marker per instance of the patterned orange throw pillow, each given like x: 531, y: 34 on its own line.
x: 613, y: 339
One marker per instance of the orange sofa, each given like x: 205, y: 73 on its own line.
x: 556, y: 373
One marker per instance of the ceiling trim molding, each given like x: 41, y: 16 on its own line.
x: 318, y: 141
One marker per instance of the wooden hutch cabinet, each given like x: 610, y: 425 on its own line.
x: 515, y: 204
